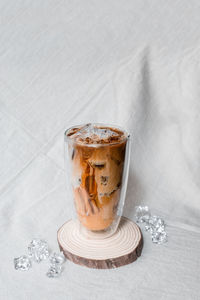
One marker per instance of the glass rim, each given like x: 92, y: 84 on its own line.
x: 126, y: 135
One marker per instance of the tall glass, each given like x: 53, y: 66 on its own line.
x: 97, y: 161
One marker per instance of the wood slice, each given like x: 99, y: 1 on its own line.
x: 122, y: 248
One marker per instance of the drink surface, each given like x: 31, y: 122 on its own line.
x: 96, y: 134
x: 97, y: 163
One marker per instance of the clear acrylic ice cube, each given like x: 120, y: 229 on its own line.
x: 155, y: 224
x: 22, y: 263
x: 159, y: 237
x: 38, y: 250
x: 54, y: 271
x: 57, y: 258
x: 142, y: 214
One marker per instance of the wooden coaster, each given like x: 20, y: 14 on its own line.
x: 122, y: 248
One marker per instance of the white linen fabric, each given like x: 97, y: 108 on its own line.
x: 130, y: 63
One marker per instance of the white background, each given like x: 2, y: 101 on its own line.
x: 131, y: 63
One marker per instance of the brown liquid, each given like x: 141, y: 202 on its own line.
x: 97, y: 173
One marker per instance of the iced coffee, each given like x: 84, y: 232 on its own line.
x: 97, y: 156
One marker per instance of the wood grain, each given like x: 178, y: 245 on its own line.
x: 122, y: 248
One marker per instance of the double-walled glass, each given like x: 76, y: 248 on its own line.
x: 97, y: 168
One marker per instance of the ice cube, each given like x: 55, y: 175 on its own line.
x: 57, y: 258
x: 86, y: 130
x: 54, y: 271
x: 38, y: 250
x: 155, y: 224
x: 159, y: 237
x: 142, y: 214
x: 22, y: 263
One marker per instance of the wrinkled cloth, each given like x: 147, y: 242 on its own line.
x: 135, y: 64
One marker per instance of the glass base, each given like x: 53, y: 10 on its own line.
x: 101, y: 234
